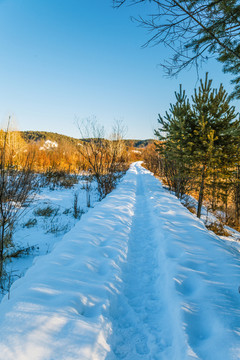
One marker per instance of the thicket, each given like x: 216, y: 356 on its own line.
x: 93, y: 153
x: 60, y: 159
x: 107, y: 159
x: 198, y: 150
x: 17, y: 185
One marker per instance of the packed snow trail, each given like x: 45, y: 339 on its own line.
x: 141, y: 318
x: 138, y: 278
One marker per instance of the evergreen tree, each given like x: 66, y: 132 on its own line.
x: 173, y: 145
x: 215, y: 136
x: 201, y: 141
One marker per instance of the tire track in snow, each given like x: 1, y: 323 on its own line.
x: 137, y: 310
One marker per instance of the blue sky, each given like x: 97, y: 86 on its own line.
x: 62, y: 60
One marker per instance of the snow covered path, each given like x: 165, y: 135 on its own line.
x: 136, y: 311
x: 138, y: 278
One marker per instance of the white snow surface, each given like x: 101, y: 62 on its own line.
x: 138, y: 277
x: 48, y: 144
x: 42, y: 236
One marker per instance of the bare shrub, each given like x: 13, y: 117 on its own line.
x: 46, y: 211
x: 56, y: 227
x: 62, y: 179
x: 192, y: 209
x: 17, y: 187
x: 77, y: 212
x: 87, y: 186
x: 30, y: 223
x: 217, y: 228
x: 107, y: 159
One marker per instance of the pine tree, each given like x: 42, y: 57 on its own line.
x: 216, y: 132
x: 172, y: 133
x: 201, y: 141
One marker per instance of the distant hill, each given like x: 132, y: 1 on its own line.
x: 58, y: 138
x: 36, y: 136
x: 139, y: 143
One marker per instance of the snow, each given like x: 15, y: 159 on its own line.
x: 138, y: 277
x: 48, y: 145
x: 208, y: 218
x: 46, y: 231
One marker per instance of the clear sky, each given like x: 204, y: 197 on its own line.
x: 62, y: 60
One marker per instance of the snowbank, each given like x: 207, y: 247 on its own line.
x: 200, y: 281
x: 55, y: 310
